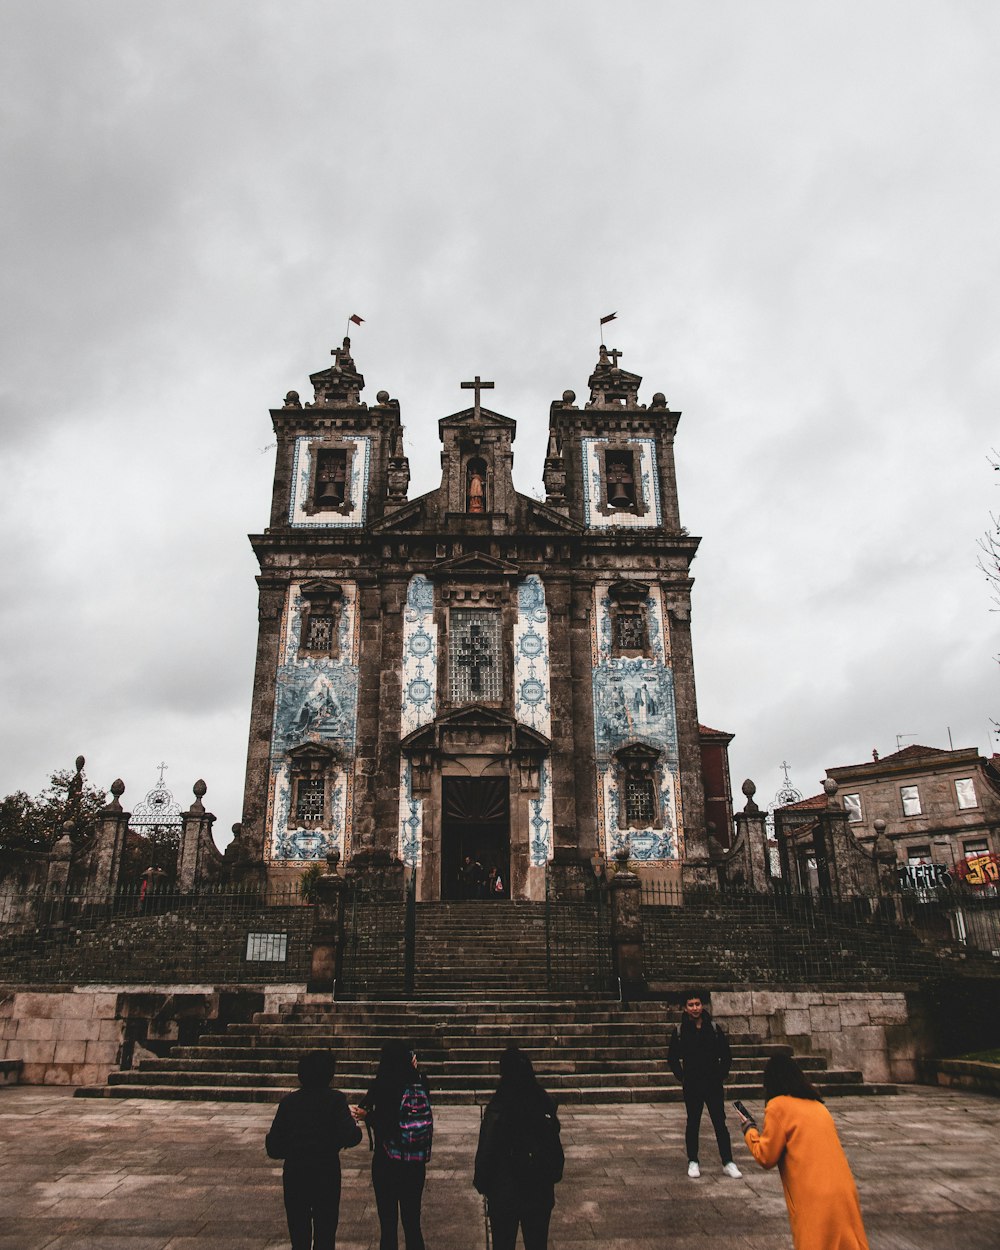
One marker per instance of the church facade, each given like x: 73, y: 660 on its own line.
x: 474, y: 672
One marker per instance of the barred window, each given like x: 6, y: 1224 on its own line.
x: 639, y: 806
x: 309, y: 799
x: 319, y: 632
x: 630, y: 630
x: 475, y: 667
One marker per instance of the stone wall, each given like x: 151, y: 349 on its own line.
x: 870, y: 1030
x: 79, y: 1036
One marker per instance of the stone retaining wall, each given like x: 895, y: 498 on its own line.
x: 78, y: 1036
x: 869, y: 1030
x: 983, y: 1078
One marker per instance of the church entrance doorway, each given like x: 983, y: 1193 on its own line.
x: 475, y: 836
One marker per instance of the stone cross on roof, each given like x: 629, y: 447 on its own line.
x: 477, y: 386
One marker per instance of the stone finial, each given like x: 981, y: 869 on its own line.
x: 237, y: 830
x: 63, y: 848
x: 622, y: 854
x: 200, y: 790
x: 882, y: 848
x: 659, y: 400
x: 382, y: 397
x: 292, y: 400
x: 569, y: 399
x: 750, y: 789
x: 332, y: 862
x: 875, y: 754
x: 80, y: 761
x: 830, y: 788
x: 117, y: 790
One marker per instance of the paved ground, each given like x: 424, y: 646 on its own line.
x: 134, y: 1175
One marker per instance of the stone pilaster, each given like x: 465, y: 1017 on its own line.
x: 328, y: 929
x: 197, y: 856
x: 751, y: 843
x: 626, y: 930
x: 109, y: 842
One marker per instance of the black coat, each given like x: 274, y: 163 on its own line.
x: 512, y: 1124
x: 699, y: 1056
x: 311, y: 1125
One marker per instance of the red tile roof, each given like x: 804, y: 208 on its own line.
x: 817, y: 800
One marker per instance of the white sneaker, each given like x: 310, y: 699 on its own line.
x: 694, y: 1170
x: 732, y: 1170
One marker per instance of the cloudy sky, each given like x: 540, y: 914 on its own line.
x: 792, y: 207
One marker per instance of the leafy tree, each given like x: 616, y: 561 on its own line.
x: 35, y: 824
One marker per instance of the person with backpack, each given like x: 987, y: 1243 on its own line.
x: 397, y: 1110
x: 520, y: 1158
x: 700, y: 1058
x: 310, y: 1128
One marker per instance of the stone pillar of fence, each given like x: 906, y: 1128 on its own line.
x: 197, y: 855
x: 750, y: 847
x: 328, y: 927
x: 109, y: 843
x: 626, y: 928
x: 850, y: 871
x: 60, y: 862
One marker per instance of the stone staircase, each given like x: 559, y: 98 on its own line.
x: 585, y: 1051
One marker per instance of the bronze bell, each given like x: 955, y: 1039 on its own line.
x: 619, y: 493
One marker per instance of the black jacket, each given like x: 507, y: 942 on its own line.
x: 520, y: 1157
x: 699, y: 1056
x: 311, y: 1125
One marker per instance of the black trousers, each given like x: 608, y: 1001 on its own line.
x: 399, y: 1188
x: 696, y: 1097
x: 534, y: 1222
x: 312, y: 1204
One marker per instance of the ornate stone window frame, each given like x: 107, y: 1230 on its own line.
x: 629, y: 599
x: 641, y: 505
x: 321, y: 598
x: 311, y: 763
x: 638, y: 763
x: 309, y: 505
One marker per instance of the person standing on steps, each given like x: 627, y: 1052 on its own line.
x: 520, y: 1157
x: 700, y: 1059
x: 398, y: 1109
x: 310, y: 1128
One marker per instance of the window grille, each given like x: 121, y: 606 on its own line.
x: 475, y: 669
x: 639, y: 803
x: 309, y: 799
x: 630, y: 631
x: 319, y: 632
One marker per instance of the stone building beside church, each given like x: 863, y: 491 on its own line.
x: 474, y: 671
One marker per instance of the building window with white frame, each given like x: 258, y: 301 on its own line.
x: 965, y: 791
x: 852, y: 805
x: 910, y: 798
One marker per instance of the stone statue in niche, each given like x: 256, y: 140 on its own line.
x: 476, y: 497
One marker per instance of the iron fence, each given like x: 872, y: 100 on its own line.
x: 158, y: 936
x: 577, y: 938
x: 377, y: 958
x: 741, y: 936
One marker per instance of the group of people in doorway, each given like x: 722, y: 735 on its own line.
x: 519, y: 1159
x: 477, y: 881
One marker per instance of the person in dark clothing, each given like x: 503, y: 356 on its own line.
x: 700, y: 1059
x: 397, y: 1109
x: 310, y: 1128
x: 520, y: 1158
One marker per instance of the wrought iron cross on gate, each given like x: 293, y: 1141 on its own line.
x: 474, y: 654
x: 477, y: 386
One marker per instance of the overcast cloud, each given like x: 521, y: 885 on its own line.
x: 792, y: 207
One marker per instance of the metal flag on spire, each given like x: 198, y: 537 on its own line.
x: 354, y: 319
x: 604, y: 322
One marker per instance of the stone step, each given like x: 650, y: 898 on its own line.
x: 570, y: 1096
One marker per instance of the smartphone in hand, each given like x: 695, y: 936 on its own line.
x: 741, y: 1110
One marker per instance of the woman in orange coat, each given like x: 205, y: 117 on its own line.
x: 800, y: 1137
